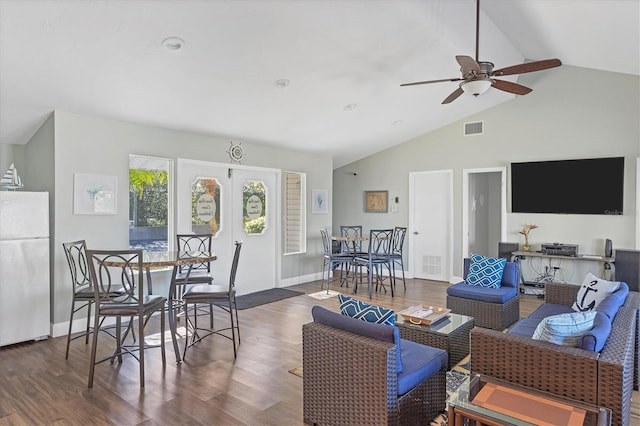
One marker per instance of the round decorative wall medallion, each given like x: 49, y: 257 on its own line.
x: 236, y: 152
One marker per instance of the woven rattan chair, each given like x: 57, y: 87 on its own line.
x: 352, y: 379
x: 494, y: 315
x: 122, y: 269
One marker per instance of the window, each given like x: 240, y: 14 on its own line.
x: 150, y: 201
x: 295, y: 230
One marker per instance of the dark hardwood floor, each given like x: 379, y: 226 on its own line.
x: 38, y: 386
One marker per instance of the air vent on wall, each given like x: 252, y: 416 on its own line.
x: 475, y: 128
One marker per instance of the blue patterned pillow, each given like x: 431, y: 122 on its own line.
x: 485, y: 271
x: 356, y: 309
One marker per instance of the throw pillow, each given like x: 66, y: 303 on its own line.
x: 356, y: 309
x: 564, y: 329
x: 593, y: 291
x: 485, y: 271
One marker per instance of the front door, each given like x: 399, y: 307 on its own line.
x: 234, y: 203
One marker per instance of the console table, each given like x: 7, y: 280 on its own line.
x: 608, y: 262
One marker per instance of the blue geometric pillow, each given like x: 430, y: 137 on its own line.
x: 356, y: 309
x: 485, y: 271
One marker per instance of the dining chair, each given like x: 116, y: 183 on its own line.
x: 376, y: 259
x: 353, y: 247
x: 331, y: 261
x: 114, y: 269
x: 395, y: 257
x: 200, y: 272
x: 82, y: 294
x: 222, y: 296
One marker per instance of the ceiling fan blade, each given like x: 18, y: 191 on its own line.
x: 528, y: 67
x: 430, y: 81
x: 508, y: 86
x: 453, y: 96
x: 468, y: 64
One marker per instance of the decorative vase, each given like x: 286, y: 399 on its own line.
x: 526, y: 247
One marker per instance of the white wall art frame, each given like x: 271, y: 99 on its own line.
x: 94, y: 194
x: 320, y: 201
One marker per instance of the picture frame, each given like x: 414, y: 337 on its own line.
x: 320, y: 201
x: 376, y: 201
x: 95, y: 194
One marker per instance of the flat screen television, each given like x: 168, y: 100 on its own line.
x: 585, y: 186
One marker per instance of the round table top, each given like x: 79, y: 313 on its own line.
x: 170, y: 258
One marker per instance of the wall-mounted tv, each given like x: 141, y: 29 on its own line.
x: 585, y: 186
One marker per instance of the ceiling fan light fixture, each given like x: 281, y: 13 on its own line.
x: 476, y: 87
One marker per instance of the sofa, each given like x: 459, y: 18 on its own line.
x: 603, y: 376
x: 361, y: 373
x: 495, y: 308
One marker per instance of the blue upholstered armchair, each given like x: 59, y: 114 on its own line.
x: 495, y: 308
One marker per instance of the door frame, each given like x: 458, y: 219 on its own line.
x: 411, y: 257
x: 465, y: 204
x: 278, y: 202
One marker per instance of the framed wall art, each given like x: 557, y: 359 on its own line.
x: 94, y: 194
x: 320, y: 201
x: 376, y: 201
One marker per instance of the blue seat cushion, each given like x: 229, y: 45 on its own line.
x: 492, y: 295
x: 525, y: 327
x: 420, y: 362
x: 549, y: 309
x: 385, y: 333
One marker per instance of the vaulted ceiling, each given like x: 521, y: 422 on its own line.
x: 315, y: 75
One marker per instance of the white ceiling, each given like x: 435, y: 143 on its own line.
x: 105, y: 58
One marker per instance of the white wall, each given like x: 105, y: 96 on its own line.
x: 571, y: 113
x: 100, y: 146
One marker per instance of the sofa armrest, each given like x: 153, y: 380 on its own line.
x: 616, y: 366
x: 560, y: 370
x: 560, y: 294
x: 344, y: 373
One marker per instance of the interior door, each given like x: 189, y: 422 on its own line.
x: 431, y: 224
x: 234, y: 203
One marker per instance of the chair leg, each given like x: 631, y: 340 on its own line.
x: 141, y: 348
x: 92, y: 365
x: 73, y: 304
x: 86, y: 339
x: 233, y: 329
x: 162, y: 347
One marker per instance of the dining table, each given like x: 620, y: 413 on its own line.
x: 174, y: 259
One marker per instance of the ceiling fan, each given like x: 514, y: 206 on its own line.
x: 478, y: 76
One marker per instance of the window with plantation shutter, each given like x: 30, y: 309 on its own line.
x: 294, y: 213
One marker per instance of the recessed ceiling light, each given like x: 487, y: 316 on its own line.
x: 397, y: 122
x: 173, y: 43
x: 282, y: 83
x: 350, y: 107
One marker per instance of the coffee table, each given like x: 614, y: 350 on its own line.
x: 490, y: 401
x: 451, y: 333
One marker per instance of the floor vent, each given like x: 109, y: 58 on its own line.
x: 432, y: 265
x: 475, y: 128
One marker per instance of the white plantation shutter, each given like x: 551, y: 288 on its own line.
x: 294, y: 212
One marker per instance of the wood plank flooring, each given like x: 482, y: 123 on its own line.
x: 38, y: 386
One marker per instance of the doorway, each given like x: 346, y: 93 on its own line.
x: 234, y: 203
x: 431, y: 225
x: 484, y: 210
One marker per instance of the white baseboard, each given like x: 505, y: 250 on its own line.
x: 79, y: 324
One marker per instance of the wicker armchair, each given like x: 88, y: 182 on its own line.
x: 488, y: 314
x: 604, y: 379
x: 352, y: 379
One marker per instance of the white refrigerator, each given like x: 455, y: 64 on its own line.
x: 24, y: 266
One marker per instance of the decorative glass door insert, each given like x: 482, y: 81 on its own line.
x: 205, y: 206
x: 254, y: 202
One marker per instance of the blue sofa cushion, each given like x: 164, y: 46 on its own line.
x: 610, y: 305
x: 592, y: 340
x: 510, y: 275
x: 491, y: 295
x: 564, y: 329
x: 593, y: 291
x: 485, y: 271
x: 385, y: 333
x: 420, y: 362
x: 357, y: 309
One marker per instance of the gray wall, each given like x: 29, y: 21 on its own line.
x: 100, y: 146
x: 571, y: 113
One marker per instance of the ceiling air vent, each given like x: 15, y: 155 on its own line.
x: 475, y: 128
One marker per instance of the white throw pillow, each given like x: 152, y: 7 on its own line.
x: 593, y: 291
x: 564, y: 329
